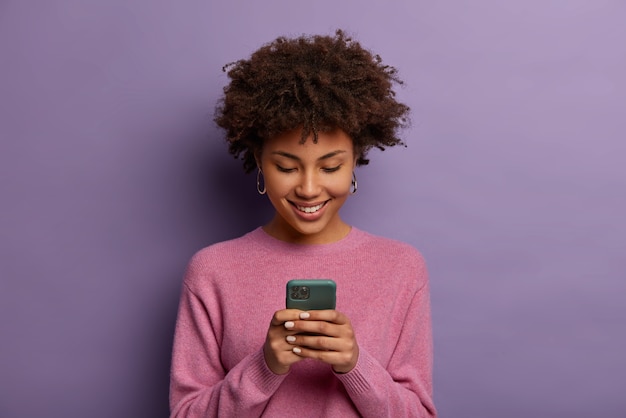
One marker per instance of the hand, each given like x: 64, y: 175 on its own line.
x: 279, y: 355
x: 334, y: 341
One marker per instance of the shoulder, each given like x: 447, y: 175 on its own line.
x: 389, y: 247
x: 394, y: 270
x: 391, y: 255
x: 221, y: 255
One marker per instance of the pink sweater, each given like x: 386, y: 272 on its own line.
x: 232, y: 289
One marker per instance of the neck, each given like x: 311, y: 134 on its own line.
x: 330, y: 234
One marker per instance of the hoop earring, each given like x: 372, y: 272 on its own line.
x: 354, y: 185
x: 259, y: 174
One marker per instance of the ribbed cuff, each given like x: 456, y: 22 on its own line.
x: 356, y: 381
x: 261, y: 375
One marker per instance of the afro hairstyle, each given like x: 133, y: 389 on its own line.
x: 316, y: 83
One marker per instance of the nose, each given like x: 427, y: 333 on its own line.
x: 308, y: 186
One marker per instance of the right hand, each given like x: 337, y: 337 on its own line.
x: 279, y: 355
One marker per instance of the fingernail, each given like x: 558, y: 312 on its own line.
x: 291, y: 338
x: 289, y: 324
x: 304, y: 315
x: 296, y: 350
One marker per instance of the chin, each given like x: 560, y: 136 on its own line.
x: 309, y: 231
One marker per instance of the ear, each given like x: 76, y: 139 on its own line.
x: 257, y: 158
x: 357, y: 155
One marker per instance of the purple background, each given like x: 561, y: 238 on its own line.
x: 513, y: 186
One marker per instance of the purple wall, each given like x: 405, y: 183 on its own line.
x: 513, y: 186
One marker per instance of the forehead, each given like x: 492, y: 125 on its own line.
x: 327, y: 141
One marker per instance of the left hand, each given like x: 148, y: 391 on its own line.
x: 335, y: 343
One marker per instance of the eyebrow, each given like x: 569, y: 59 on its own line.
x: 296, y: 158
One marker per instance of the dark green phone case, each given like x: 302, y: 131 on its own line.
x: 311, y: 294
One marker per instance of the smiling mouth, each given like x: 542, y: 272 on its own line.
x: 310, y: 209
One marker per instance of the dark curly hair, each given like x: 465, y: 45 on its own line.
x: 318, y: 83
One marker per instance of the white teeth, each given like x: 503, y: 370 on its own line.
x: 310, y: 209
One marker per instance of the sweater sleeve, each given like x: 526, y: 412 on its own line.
x: 404, y: 387
x: 199, y: 385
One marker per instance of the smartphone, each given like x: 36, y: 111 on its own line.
x: 311, y: 294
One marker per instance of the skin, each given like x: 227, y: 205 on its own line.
x: 299, y: 176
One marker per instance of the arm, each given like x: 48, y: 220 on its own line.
x: 199, y: 385
x: 404, y: 387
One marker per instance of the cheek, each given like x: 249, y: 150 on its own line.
x: 341, y: 186
x: 276, y: 184
x: 279, y: 186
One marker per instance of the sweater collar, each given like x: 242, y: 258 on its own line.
x: 354, y: 237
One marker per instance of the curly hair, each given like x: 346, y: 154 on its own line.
x: 317, y: 83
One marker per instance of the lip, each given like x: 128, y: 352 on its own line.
x: 309, y: 216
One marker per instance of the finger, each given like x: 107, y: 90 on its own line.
x: 322, y: 328
x: 342, y: 361
x: 279, y: 357
x: 284, y: 315
x: 318, y: 342
x: 328, y: 315
x: 326, y: 356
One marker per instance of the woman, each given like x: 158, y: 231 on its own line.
x: 304, y: 112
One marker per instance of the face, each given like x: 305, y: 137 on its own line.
x: 307, y: 185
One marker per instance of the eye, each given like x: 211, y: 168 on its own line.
x: 284, y: 169
x: 331, y: 169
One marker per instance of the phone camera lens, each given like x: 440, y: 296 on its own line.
x: 299, y: 292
